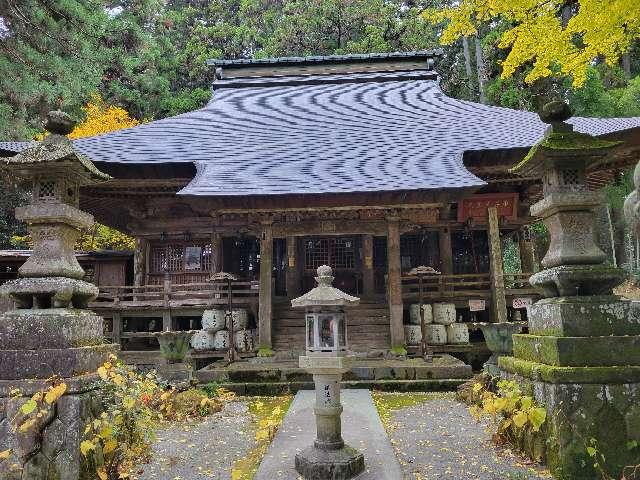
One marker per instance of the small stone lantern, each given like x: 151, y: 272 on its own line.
x: 326, y: 339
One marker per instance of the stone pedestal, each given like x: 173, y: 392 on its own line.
x: 328, y: 457
x: 50, y: 333
x: 498, y: 337
x: 581, y: 357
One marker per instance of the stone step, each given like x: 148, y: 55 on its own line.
x: 280, y: 388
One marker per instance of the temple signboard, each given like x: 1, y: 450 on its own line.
x: 475, y: 207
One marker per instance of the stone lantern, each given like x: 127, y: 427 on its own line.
x: 581, y: 355
x: 51, y: 333
x: 326, y: 340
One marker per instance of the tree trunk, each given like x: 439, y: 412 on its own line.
x: 626, y: 64
x: 467, y: 66
x: 480, y: 70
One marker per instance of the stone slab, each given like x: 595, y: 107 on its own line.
x: 443, y: 367
x: 578, y: 351
x: 44, y: 363
x: 50, y: 328
x: 584, y: 317
x: 361, y: 429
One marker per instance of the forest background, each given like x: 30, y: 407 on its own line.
x: 146, y: 60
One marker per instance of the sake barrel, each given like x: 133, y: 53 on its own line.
x: 213, y: 320
x: 202, y: 340
x: 412, y: 334
x: 414, y: 313
x: 221, y: 340
x: 436, y: 334
x: 457, y: 333
x: 243, y: 340
x: 240, y: 319
x: 444, y: 313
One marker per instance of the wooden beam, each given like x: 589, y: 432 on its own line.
x: 116, y: 327
x: 368, y: 286
x: 329, y: 227
x: 216, y: 252
x: 140, y: 261
x: 526, y: 254
x: 293, y: 277
x: 498, y: 292
x: 446, y: 254
x: 394, y: 281
x: 265, y: 296
x: 342, y: 208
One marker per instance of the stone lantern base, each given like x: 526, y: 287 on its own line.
x: 316, y: 464
x: 581, y: 360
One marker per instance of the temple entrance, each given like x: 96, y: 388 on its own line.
x: 341, y: 253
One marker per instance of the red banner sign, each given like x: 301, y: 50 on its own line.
x: 475, y: 207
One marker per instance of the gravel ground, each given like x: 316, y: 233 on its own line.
x: 439, y: 439
x: 203, y: 449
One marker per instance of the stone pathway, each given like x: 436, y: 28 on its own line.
x: 434, y: 440
x: 203, y: 449
x: 361, y: 429
x: 438, y: 439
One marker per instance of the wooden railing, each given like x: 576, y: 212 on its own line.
x: 170, y: 295
x: 472, y: 284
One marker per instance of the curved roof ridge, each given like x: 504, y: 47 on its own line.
x: 374, y: 132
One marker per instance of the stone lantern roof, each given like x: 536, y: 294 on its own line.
x: 561, y: 140
x: 324, y: 294
x: 55, y: 153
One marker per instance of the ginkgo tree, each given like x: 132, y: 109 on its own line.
x: 555, y: 37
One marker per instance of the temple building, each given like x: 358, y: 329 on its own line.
x: 360, y: 162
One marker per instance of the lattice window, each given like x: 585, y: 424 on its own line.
x: 157, y: 259
x: 316, y: 253
x: 47, y: 189
x: 570, y: 177
x: 335, y: 252
x: 343, y: 255
x: 206, y: 257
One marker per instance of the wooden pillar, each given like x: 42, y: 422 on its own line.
x: 293, y: 277
x: 446, y: 254
x: 526, y: 254
x: 116, y: 327
x: 216, y: 252
x: 140, y: 261
x: 368, y: 286
x: 264, y: 298
x: 167, y: 324
x: 498, y: 300
x: 394, y: 282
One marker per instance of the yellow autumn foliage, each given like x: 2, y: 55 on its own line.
x: 598, y: 29
x: 102, y: 118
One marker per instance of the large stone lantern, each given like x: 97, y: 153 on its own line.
x: 326, y: 339
x: 581, y: 357
x: 50, y: 333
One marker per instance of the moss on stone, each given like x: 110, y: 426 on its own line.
x: 564, y: 141
x: 555, y: 374
x: 399, y: 350
x: 265, y: 352
x: 578, y: 351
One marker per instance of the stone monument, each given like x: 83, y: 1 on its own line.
x: 582, y: 354
x: 326, y: 339
x: 50, y: 332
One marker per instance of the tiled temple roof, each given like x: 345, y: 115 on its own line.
x: 335, y: 132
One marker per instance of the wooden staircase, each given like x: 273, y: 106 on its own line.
x: 367, y: 326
